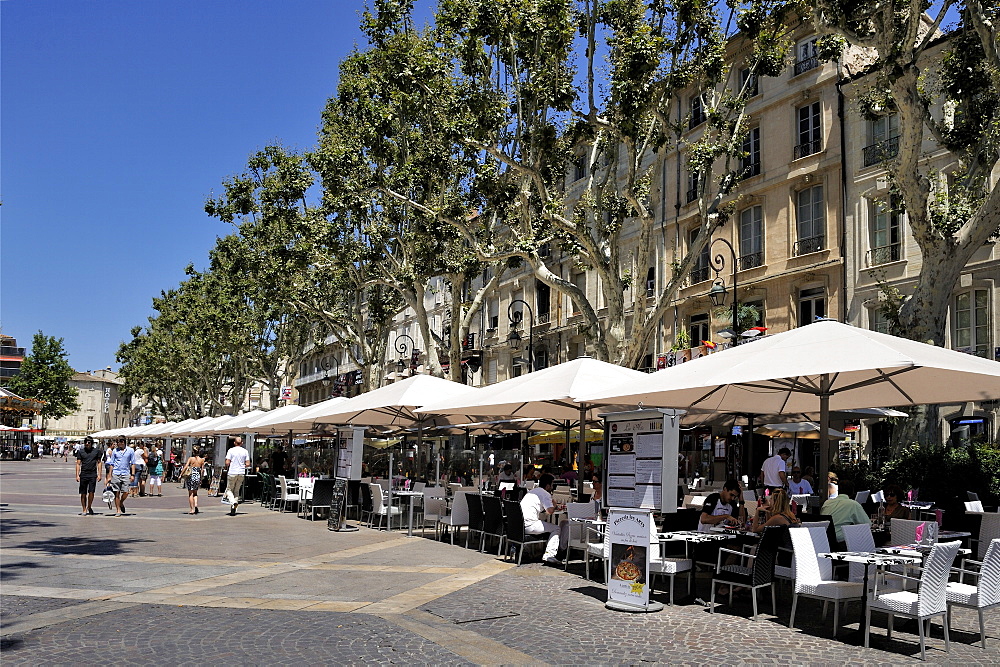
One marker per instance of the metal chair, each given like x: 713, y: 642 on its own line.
x: 287, y: 497
x: 459, y: 516
x: 814, y: 575
x: 929, y: 600
x: 367, y: 506
x: 982, y: 597
x: 382, y: 509
x: 758, y: 574
x: 667, y: 566
x: 322, y: 497
x: 476, y: 518
x: 492, y: 521
x: 577, y: 538
x: 514, y: 530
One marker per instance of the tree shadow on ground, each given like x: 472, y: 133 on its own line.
x: 14, y: 526
x: 13, y: 570
x: 595, y: 592
x: 84, y: 546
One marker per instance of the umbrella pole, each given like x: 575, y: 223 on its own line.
x: 751, y: 480
x: 584, y: 451
x: 568, y: 449
x: 436, y: 449
x: 824, y: 436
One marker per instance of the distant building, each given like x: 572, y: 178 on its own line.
x: 100, y: 406
x: 11, y: 357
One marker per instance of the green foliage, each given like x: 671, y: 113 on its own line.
x: 860, y: 473
x: 45, y: 375
x: 942, y: 474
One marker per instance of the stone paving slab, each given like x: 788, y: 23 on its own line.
x: 13, y: 606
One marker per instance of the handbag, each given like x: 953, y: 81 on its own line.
x: 185, y: 473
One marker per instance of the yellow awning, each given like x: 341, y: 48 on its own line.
x: 559, y: 437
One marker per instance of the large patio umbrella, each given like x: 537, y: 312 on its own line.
x: 821, y: 367
x: 273, y: 419
x: 238, y: 423
x: 551, y: 393
x: 806, y: 430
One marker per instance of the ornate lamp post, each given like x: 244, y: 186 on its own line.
x: 325, y: 364
x: 514, y: 338
x: 402, y: 348
x: 719, y: 292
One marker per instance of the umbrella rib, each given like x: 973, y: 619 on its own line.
x: 883, y: 377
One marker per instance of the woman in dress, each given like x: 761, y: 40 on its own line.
x: 194, y: 466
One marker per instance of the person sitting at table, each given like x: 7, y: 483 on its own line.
x: 798, y: 485
x: 507, y: 474
x: 720, y: 508
x: 844, y: 510
x: 536, y: 502
x: 893, y: 508
x: 778, y: 512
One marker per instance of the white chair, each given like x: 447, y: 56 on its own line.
x: 862, y: 496
x: 381, y: 507
x: 600, y: 549
x: 989, y: 530
x: 750, y: 496
x: 666, y: 565
x: 434, y: 510
x: 858, y: 538
x: 974, y: 506
x: 577, y: 535
x: 305, y: 493
x: 287, y: 497
x: 419, y: 486
x: 903, y: 531
x: 459, y: 516
x: 878, y: 497
x: 984, y: 596
x: 929, y: 600
x: 454, y: 489
x: 814, y: 575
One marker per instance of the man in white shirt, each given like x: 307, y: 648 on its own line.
x: 797, y: 485
x: 536, y: 502
x: 773, y: 470
x: 237, y: 461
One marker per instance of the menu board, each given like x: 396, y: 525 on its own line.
x: 629, y: 533
x: 350, y: 446
x: 337, y: 504
x: 642, y: 449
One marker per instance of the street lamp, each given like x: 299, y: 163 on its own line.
x: 325, y: 364
x: 718, y: 293
x: 514, y: 337
x: 401, y: 347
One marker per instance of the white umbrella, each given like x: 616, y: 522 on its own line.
x: 824, y: 366
x: 207, y: 427
x: 238, y: 423
x: 552, y: 393
x: 395, y: 404
x: 179, y: 431
x: 271, y: 420
x: 808, y: 430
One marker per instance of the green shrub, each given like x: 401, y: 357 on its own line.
x: 943, y: 474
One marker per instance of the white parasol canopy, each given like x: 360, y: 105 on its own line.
x: 396, y: 404
x: 808, y: 430
x: 270, y: 421
x: 206, y: 425
x: 824, y: 366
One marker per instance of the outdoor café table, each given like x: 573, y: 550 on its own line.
x: 409, y: 495
x: 916, y: 507
x: 869, y: 559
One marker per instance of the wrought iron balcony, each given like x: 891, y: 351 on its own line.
x: 543, y: 318
x: 806, y: 64
x: 883, y: 150
x: 699, y: 274
x: 808, y: 148
x: 810, y: 244
x: 884, y: 254
x: 749, y: 169
x: 692, y: 194
x: 696, y: 120
x: 751, y: 261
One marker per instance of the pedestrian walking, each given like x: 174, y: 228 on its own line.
x: 88, y: 462
x: 122, y: 471
x: 237, y: 460
x: 138, y: 487
x: 192, y: 469
x: 154, y: 463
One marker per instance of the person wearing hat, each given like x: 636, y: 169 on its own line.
x: 88, y: 460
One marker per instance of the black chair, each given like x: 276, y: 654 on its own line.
x: 353, y: 496
x: 366, y: 504
x: 514, y: 529
x: 476, y: 518
x: 758, y: 573
x: 266, y: 489
x: 493, y: 521
x: 322, y: 496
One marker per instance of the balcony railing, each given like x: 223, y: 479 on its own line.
x: 696, y: 120
x: 810, y: 244
x: 543, y: 318
x: 692, y: 194
x: 699, y: 274
x: 11, y: 351
x: 806, y: 64
x: 883, y: 150
x: 884, y: 254
x: 808, y: 148
x: 751, y: 261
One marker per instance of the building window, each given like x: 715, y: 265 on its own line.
x: 812, y: 305
x: 884, y: 232
x: 751, y: 238
x: 806, y: 56
x: 810, y: 131
x: 748, y: 80
x: 693, y: 183
x: 699, y: 272
x: 877, y: 321
x: 972, y: 322
x: 491, y: 372
x: 810, y: 221
x: 651, y: 281
x: 542, y: 296
x: 493, y: 320
x: 698, y: 329
x: 757, y: 305
x: 883, y: 140
x: 697, y: 112
x: 90, y: 423
x: 541, y: 358
x: 750, y: 160
x: 579, y: 168
x: 580, y: 280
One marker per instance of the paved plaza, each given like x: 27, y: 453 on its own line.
x: 161, y: 587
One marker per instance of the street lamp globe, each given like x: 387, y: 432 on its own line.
x: 718, y: 294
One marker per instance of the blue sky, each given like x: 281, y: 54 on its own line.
x: 119, y: 118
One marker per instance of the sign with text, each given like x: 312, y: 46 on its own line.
x: 350, y: 446
x: 629, y: 534
x: 642, y: 448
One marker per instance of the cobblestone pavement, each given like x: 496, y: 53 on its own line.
x: 161, y: 587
